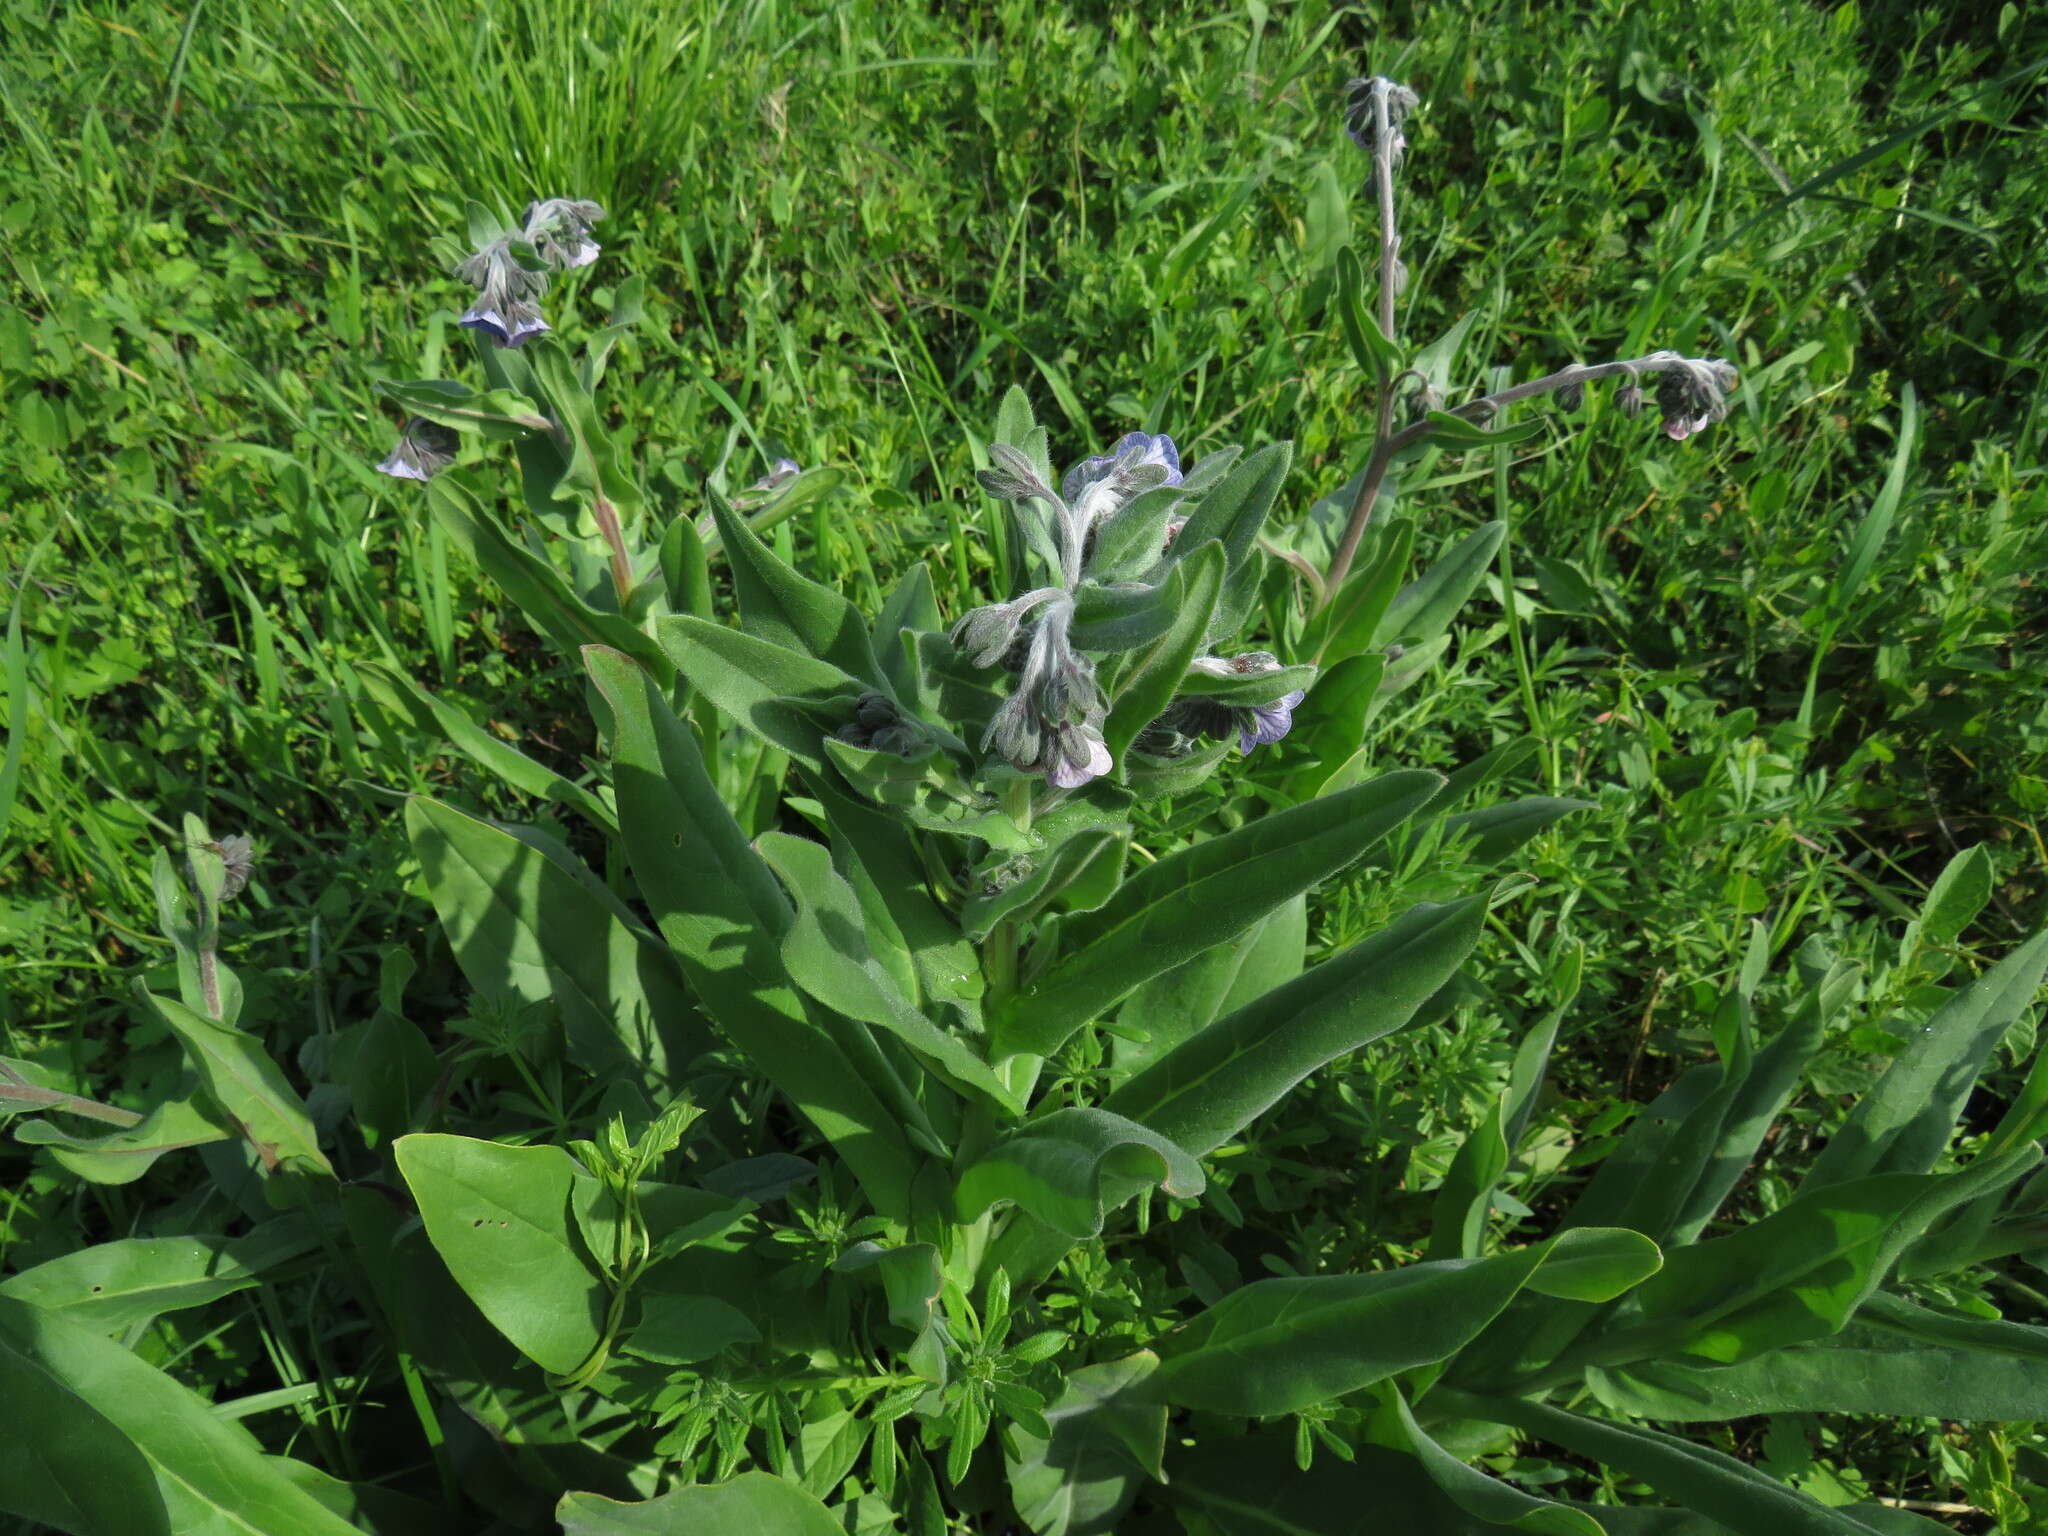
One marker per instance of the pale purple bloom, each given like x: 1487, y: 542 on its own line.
x: 1079, y: 754
x: 425, y: 448
x: 509, y: 326
x: 1693, y: 393
x: 1141, y: 447
x: 559, y: 229
x: 1267, y: 723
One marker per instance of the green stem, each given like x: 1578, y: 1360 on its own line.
x: 1517, y: 642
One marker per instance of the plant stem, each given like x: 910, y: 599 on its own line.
x: 608, y: 524
x: 1383, y: 174
x: 1385, y: 447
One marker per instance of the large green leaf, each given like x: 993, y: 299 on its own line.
x: 65, y: 1465
x: 830, y: 956
x: 752, y: 1504
x: 249, y: 1087
x: 1105, y: 1446
x: 1255, y: 1487
x: 725, y: 916
x: 1147, y: 684
x: 762, y: 684
x: 1171, y: 1007
x: 112, y: 1286
x: 530, y: 925
x: 1900, y: 1381
x: 779, y: 605
x: 500, y: 1218
x: 1206, y: 1090
x: 1486, y: 1498
x: 1282, y: 1345
x: 1902, y: 1124
x: 1199, y: 896
x: 435, y: 716
x: 1424, y: 608
x: 102, y: 1426
x: 1743, y: 1499
x: 1801, y: 1272
x: 1235, y: 509
x: 1068, y: 1167
x: 124, y: 1156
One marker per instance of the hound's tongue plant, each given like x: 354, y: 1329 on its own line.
x: 818, y: 1159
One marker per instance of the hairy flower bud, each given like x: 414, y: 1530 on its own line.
x: 1013, y: 476
x: 1361, y: 120
x: 559, y: 229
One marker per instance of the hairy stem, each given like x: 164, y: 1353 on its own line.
x: 1387, y: 443
x: 16, y: 1089
x: 1383, y: 174
x: 608, y: 524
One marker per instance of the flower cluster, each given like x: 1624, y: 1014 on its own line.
x: 1256, y: 725
x: 510, y: 272
x: 1052, y: 721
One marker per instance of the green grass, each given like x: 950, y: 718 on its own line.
x: 860, y: 224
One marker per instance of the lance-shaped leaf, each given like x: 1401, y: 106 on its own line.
x: 1147, y: 685
x: 779, y: 694
x: 1801, y: 1272
x: 1255, y: 1486
x: 1235, y: 509
x: 432, y: 715
x: 248, y: 1086
x: 1487, y: 1499
x: 1901, y: 1381
x: 1069, y: 1167
x: 1105, y: 1447
x: 529, y: 924
x: 595, y: 466
x: 1895, y: 1315
x: 752, y: 1504
x: 111, y: 1286
x: 1345, y: 626
x: 1246, y: 690
x: 500, y: 1218
x: 791, y: 610
x: 1170, y: 1008
x: 502, y: 415
x: 112, y: 1445
x: 541, y: 591
x: 1377, y: 354
x: 1206, y: 1090
x: 1746, y: 1501
x: 1282, y: 1345
x: 724, y: 915
x: 830, y: 956
x: 1129, y: 544
x: 125, y: 1156
x: 1498, y: 830
x: 1902, y: 1123
x: 1424, y: 608
x: 1202, y: 895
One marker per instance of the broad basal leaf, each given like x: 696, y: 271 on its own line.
x: 500, y: 1219
x: 1059, y: 1166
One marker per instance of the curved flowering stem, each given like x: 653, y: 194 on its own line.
x: 1692, y: 393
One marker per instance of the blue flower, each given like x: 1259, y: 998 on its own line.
x: 509, y: 325
x: 1131, y: 450
x: 424, y: 449
x: 1267, y: 723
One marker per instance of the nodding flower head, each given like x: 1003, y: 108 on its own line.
x: 1692, y: 392
x: 1052, y: 723
x: 238, y: 856
x: 559, y: 228
x: 1256, y: 725
x: 509, y: 324
x: 510, y: 271
x: 425, y: 448
x: 1361, y: 120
